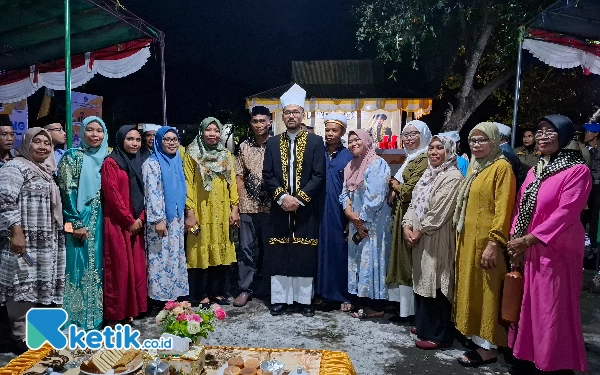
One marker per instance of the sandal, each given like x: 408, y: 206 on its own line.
x: 430, y: 345
x: 475, y: 360
x: 346, y: 307
x: 362, y: 314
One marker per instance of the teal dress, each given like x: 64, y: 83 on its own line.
x: 83, y: 274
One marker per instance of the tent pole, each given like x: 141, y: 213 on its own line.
x: 162, y: 74
x: 517, y: 88
x: 68, y: 114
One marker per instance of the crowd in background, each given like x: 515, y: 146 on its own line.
x: 111, y: 235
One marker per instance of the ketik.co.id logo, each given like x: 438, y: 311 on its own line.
x: 45, y: 324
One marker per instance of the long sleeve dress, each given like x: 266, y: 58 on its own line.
x: 549, y: 331
x: 25, y: 201
x: 213, y: 246
x: 167, y: 269
x: 477, y: 291
x: 125, y: 281
x: 368, y: 261
x: 84, y: 270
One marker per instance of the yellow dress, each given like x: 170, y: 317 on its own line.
x: 213, y: 246
x: 478, y: 291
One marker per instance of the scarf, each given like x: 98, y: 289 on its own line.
x: 173, y: 179
x: 132, y: 165
x: 422, y: 191
x: 44, y: 170
x: 212, y: 160
x: 475, y: 167
x: 413, y: 154
x: 547, y: 166
x: 93, y: 157
x: 354, y: 172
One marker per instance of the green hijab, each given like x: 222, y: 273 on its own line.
x: 475, y: 167
x: 213, y: 160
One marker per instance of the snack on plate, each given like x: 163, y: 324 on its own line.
x: 248, y: 371
x: 252, y: 363
x: 236, y: 361
x: 102, y: 361
x: 127, y: 357
x: 232, y: 370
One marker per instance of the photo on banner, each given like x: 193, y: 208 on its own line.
x: 17, y: 112
x: 82, y: 106
x: 381, y: 123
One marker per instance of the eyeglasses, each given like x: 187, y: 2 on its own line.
x: 410, y: 135
x: 478, y: 141
x: 170, y: 140
x: 550, y: 134
x: 293, y: 113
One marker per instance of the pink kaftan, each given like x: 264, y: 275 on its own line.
x: 549, y: 332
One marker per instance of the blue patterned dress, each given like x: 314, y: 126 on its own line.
x: 368, y: 261
x: 84, y: 271
x: 167, y: 270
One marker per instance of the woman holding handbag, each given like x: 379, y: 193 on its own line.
x: 548, y: 240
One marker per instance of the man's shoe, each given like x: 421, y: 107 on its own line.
x: 277, y: 309
x: 308, y: 311
x: 242, y: 299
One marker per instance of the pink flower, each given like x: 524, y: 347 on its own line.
x: 181, y: 318
x: 194, y: 318
x: 220, y: 313
x: 171, y: 305
x: 185, y: 304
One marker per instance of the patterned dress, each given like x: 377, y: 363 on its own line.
x: 84, y: 271
x: 368, y: 261
x: 167, y: 270
x: 25, y: 201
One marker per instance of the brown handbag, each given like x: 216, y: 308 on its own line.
x: 512, y: 296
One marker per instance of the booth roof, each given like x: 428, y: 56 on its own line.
x: 574, y: 18
x: 32, y: 32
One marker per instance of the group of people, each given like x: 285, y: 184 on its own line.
x: 99, y: 233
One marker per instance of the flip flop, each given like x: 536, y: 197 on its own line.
x: 362, y: 315
x: 347, y: 307
x: 475, y: 360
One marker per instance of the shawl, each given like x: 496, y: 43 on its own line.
x: 354, y: 172
x: 546, y: 167
x: 132, y: 165
x: 413, y: 154
x: 422, y: 190
x: 45, y: 170
x: 93, y: 157
x: 476, y: 166
x: 212, y: 160
x: 173, y: 178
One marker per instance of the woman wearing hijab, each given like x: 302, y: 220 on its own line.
x: 415, y: 137
x: 79, y: 182
x: 212, y: 208
x: 165, y: 192
x: 125, y: 280
x: 428, y: 230
x: 482, y: 217
x: 31, y: 223
x: 366, y: 180
x: 548, y: 239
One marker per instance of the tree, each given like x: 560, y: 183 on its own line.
x: 475, y: 40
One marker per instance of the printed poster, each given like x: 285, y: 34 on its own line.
x: 381, y: 123
x: 82, y: 106
x: 18, y: 116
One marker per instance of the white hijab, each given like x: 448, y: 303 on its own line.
x: 413, y: 154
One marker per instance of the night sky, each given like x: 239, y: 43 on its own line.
x: 218, y: 52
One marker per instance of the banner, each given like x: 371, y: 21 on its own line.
x: 18, y: 116
x: 381, y: 123
x: 82, y: 106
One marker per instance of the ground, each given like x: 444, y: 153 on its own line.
x: 375, y: 347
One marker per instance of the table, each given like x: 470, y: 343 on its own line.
x: 35, y: 362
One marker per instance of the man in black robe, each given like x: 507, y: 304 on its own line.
x: 294, y: 174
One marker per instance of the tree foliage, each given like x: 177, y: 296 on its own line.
x: 475, y: 41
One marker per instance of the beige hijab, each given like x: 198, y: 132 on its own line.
x: 45, y: 170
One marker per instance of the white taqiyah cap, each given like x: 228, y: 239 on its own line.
x: 338, y: 118
x: 295, y: 95
x: 504, y: 130
x: 150, y: 127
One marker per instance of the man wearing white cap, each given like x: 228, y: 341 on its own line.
x: 294, y: 174
x: 148, y: 132
x: 510, y: 154
x: 332, y: 278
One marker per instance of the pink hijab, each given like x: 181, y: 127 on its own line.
x: 354, y: 172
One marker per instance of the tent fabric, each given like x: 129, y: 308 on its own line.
x: 577, y: 18
x: 113, y: 62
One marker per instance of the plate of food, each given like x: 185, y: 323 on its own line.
x: 109, y: 362
x: 239, y: 366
